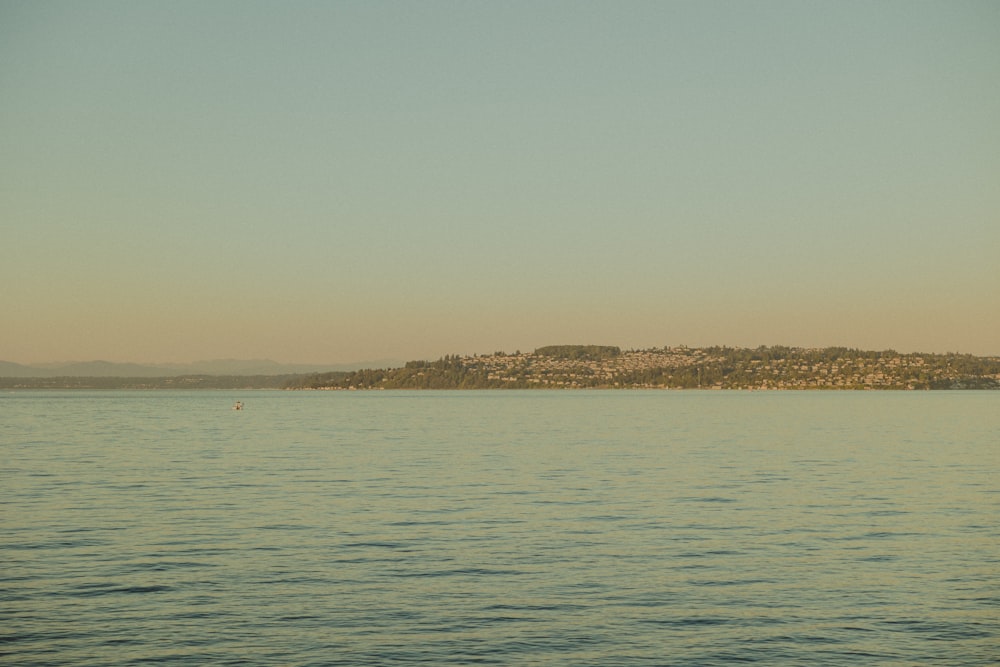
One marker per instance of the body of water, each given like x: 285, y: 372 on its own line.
x: 508, y: 528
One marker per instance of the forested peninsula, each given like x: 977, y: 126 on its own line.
x: 608, y: 367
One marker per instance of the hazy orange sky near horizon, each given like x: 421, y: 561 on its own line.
x: 335, y: 182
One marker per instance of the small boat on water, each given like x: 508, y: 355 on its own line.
x: 238, y: 405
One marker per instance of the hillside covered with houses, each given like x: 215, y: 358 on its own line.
x: 598, y: 366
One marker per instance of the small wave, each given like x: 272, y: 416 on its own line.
x: 707, y: 554
x: 165, y: 565
x: 707, y: 499
x: 409, y: 524
x: 55, y: 544
x: 938, y: 630
x: 697, y: 621
x: 374, y: 545
x: 96, y: 590
x: 534, y: 607
x: 283, y: 526
x: 471, y: 571
x: 731, y: 582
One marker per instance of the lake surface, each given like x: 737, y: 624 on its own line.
x: 508, y: 528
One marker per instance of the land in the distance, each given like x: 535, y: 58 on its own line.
x: 236, y: 382
x: 213, y: 367
x: 599, y: 366
x: 604, y: 367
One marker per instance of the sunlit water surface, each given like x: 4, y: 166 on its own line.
x: 512, y: 528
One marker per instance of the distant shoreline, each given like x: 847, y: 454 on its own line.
x: 173, y: 383
x: 604, y: 367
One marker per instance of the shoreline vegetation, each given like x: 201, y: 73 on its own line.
x: 607, y: 367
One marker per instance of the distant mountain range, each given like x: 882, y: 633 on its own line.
x: 213, y: 367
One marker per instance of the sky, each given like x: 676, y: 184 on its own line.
x: 338, y: 181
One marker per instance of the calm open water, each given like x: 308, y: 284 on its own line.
x: 509, y: 528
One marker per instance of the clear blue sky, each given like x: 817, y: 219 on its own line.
x: 340, y: 181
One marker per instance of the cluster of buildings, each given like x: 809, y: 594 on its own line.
x: 728, y: 368
x: 556, y: 371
